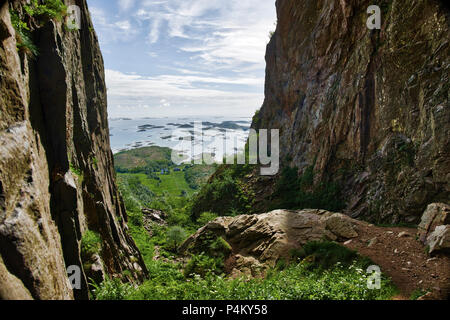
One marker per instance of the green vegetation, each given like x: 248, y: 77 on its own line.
x: 95, y: 162
x: 175, y: 237
x: 23, y: 36
x: 230, y: 192
x: 299, y: 192
x: 91, y: 244
x: 324, y: 255
x: 202, y: 265
x: 226, y: 194
x: 142, y: 185
x: 136, y: 192
x: 206, y: 217
x: 143, y: 160
x: 198, y: 175
x: 76, y: 171
x: 209, y: 257
x: 40, y: 12
x: 299, y: 281
x: 46, y: 10
x: 417, y: 294
x: 317, y: 271
x: 172, y: 184
x: 257, y: 118
x: 155, y: 169
x: 111, y: 290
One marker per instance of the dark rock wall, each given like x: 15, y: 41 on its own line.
x: 56, y: 167
x: 368, y: 108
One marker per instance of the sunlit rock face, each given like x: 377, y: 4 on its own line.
x: 368, y: 108
x: 56, y: 168
x: 258, y: 242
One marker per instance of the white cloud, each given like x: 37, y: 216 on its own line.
x: 121, y: 84
x: 231, y: 32
x: 109, y: 30
x: 190, y: 94
x: 125, y: 4
x: 221, y: 44
x: 154, y: 31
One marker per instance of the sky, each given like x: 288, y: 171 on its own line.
x: 183, y: 57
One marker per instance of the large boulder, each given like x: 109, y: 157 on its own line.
x: 266, y: 238
x: 439, y: 239
x: 436, y: 214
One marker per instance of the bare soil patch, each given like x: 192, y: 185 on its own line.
x: 404, y: 259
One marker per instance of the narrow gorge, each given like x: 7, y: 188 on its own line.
x: 364, y: 120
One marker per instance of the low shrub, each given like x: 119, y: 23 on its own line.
x: 220, y: 247
x: 111, y: 289
x: 295, y: 282
x: 202, y: 265
x: 205, y: 218
x: 299, y: 192
x: 144, y: 243
x: 91, y: 243
x: 46, y: 10
x: 175, y: 237
x: 225, y: 195
x: 324, y: 255
x: 23, y: 36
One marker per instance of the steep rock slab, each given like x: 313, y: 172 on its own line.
x: 439, y: 239
x: 56, y: 166
x: 435, y: 215
x: 434, y: 228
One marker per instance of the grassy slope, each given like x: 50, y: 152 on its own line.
x: 141, y: 157
x: 173, y: 183
x: 297, y: 281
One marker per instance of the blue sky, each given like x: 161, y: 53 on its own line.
x: 183, y: 57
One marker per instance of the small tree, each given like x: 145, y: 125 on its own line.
x: 175, y: 236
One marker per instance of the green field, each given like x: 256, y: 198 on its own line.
x: 173, y: 184
x: 146, y: 164
x: 142, y: 158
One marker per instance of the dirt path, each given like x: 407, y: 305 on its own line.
x: 404, y: 259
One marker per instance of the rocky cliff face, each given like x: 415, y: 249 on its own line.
x: 56, y: 167
x: 367, y: 108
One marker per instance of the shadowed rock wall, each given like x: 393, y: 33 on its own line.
x: 56, y: 167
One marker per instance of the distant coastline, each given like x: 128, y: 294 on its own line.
x: 128, y: 134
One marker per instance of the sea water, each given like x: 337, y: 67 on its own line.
x: 127, y: 134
